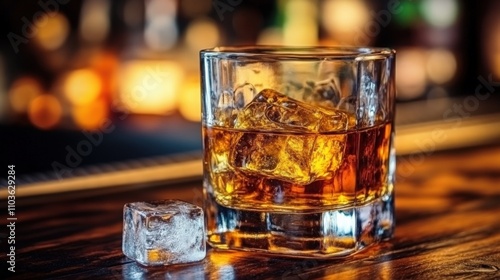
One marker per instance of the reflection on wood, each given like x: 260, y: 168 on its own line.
x: 447, y: 227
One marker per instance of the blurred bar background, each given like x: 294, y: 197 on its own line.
x: 125, y: 74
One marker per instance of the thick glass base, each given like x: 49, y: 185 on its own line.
x: 329, y: 233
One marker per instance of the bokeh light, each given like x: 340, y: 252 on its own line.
x: 52, y: 31
x: 408, y: 13
x: 270, y: 36
x: 161, y: 34
x: 90, y: 116
x: 95, y: 20
x: 161, y: 29
x: 344, y: 20
x: 45, y: 111
x: 410, y: 73
x: 202, y: 33
x: 82, y: 86
x: 190, y: 100
x: 440, y: 13
x: 301, y: 25
x: 441, y: 65
x: 105, y: 65
x: 22, y: 92
x: 150, y: 87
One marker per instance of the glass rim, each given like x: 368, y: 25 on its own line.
x: 297, y: 52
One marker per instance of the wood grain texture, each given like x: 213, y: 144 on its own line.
x: 448, y: 227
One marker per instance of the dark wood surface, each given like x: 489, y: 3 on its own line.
x: 448, y: 227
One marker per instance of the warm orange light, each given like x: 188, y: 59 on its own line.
x: 345, y: 20
x: 441, y: 66
x: 106, y: 65
x: 411, y: 78
x: 52, y: 30
x: 190, y: 101
x: 270, y: 36
x: 150, y: 87
x: 301, y: 25
x: 90, y: 116
x: 45, y: 111
x: 202, y: 33
x: 22, y: 92
x: 95, y: 20
x: 82, y: 86
x: 224, y: 263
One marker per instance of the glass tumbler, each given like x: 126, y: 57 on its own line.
x: 298, y: 148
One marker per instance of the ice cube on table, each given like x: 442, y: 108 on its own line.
x: 163, y: 232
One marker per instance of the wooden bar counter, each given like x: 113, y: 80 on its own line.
x: 448, y: 227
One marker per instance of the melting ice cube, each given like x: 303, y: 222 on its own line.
x: 231, y: 103
x: 292, y: 143
x: 271, y: 110
x: 163, y: 232
x: 324, y: 93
